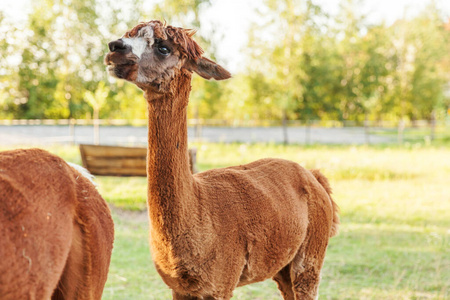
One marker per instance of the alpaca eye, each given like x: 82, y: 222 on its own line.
x: 163, y: 50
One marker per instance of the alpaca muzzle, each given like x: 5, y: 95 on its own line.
x: 119, y: 46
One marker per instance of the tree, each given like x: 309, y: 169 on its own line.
x: 62, y: 56
x: 302, y: 65
x: 9, y: 98
x: 55, y: 68
x: 421, y: 48
x: 97, y: 100
x: 288, y: 62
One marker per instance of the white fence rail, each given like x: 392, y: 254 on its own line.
x: 126, y: 133
x: 233, y: 123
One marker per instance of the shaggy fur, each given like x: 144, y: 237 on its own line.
x: 56, y: 230
x: 216, y: 230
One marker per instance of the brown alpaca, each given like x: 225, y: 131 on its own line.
x: 216, y: 230
x: 56, y: 231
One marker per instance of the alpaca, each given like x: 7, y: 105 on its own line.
x: 213, y: 231
x: 56, y: 230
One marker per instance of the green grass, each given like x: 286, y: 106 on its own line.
x: 126, y: 193
x: 394, y: 241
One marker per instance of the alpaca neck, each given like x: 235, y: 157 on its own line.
x: 170, y: 182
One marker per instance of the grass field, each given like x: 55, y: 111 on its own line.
x: 394, y: 241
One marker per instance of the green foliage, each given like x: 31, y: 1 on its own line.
x: 345, y: 69
x: 61, y: 59
x: 302, y: 64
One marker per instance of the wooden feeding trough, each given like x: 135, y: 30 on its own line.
x: 119, y: 161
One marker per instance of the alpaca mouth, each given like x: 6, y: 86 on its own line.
x: 115, y: 59
x: 120, y: 66
x: 112, y: 66
x: 127, y: 71
x: 122, y: 71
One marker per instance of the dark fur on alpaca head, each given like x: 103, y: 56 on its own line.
x: 151, y: 54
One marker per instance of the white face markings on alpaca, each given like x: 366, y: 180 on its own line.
x: 140, y: 42
x: 137, y: 44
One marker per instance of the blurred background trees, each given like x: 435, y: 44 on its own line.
x: 300, y: 63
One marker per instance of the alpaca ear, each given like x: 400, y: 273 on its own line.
x: 207, y: 69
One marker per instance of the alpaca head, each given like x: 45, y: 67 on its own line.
x: 151, y: 54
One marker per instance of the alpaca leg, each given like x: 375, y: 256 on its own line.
x: 176, y: 296
x: 72, y: 275
x: 216, y: 298
x: 305, y: 271
x: 87, y: 266
x: 284, y: 283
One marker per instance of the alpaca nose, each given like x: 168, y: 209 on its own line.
x: 118, y: 46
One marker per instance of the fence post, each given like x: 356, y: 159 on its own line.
x: 72, y: 122
x: 367, y: 131
x: 198, y: 129
x: 433, y: 125
x: 284, y: 124
x: 401, y: 128
x: 96, y: 123
x: 307, y: 133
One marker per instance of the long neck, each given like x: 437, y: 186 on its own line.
x: 170, y: 182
